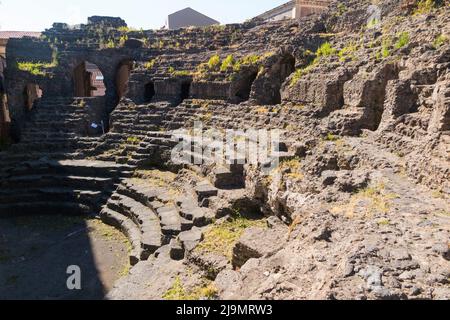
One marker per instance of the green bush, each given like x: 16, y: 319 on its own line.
x: 373, y: 23
x: 325, y: 50
x: 150, y: 64
x: 228, y: 63
x: 440, y: 41
x: 403, y: 40
x: 214, y: 63
x: 35, y: 68
x: 425, y: 6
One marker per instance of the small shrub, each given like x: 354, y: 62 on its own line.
x: 440, y: 41
x: 331, y: 137
x: 425, y: 6
x: 150, y: 64
x: 176, y: 292
x: 214, y: 63
x: 134, y: 140
x: 325, y: 50
x: 374, y: 22
x: 124, y: 29
x: 250, y: 59
x: 35, y: 68
x: 347, y: 52
x: 299, y: 73
x: 228, y: 63
x: 403, y: 40
x: 123, y: 39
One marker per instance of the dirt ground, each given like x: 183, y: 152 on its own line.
x: 35, y: 252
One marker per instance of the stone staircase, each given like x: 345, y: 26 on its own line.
x: 52, y: 186
x: 153, y: 217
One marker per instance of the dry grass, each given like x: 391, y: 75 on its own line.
x: 178, y: 292
x: 221, y: 238
x: 367, y: 202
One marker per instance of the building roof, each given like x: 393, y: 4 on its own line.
x: 18, y: 34
x: 282, y: 8
x: 189, y: 17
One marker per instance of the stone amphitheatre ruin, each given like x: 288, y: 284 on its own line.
x: 358, y: 207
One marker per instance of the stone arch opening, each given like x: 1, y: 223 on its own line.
x: 88, y: 80
x: 284, y: 69
x: 123, y: 77
x: 149, y: 91
x: 269, y: 84
x: 31, y: 93
x: 244, y: 86
x: 185, y: 90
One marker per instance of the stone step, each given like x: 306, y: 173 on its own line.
x: 43, y: 207
x: 74, y: 167
x: 41, y: 181
x: 223, y: 178
x: 90, y: 198
x: 47, y: 146
x: 170, y: 221
x: 131, y: 231
x: 144, y: 217
x: 205, y: 190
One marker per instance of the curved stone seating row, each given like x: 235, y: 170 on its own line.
x: 155, y: 213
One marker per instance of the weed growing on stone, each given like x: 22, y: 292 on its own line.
x: 440, y: 41
x: 325, y: 50
x: 222, y: 237
x: 149, y: 65
x: 403, y: 40
x: 35, y: 68
x: 206, y: 291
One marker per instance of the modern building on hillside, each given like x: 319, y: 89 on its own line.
x: 285, y: 11
x: 6, y: 35
x: 188, y: 17
x: 294, y: 9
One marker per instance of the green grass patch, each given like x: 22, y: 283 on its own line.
x: 214, y: 63
x: 331, y: 137
x: 348, y: 52
x: 228, y: 63
x: 149, y: 65
x: 374, y: 22
x: 440, y: 41
x: 35, y: 68
x: 426, y: 6
x: 403, y: 39
x: 325, y: 50
x: 221, y: 238
x: 178, y: 292
x: 134, y: 140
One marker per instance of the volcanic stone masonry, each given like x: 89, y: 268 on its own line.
x: 358, y: 207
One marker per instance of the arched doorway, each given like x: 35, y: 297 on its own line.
x: 31, y: 93
x: 244, y: 86
x: 88, y: 80
x: 123, y: 77
x: 185, y: 90
x: 149, y: 91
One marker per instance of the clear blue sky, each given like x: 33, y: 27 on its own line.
x: 37, y: 15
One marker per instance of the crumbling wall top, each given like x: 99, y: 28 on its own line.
x: 114, y: 22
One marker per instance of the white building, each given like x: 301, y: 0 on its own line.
x: 285, y: 11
